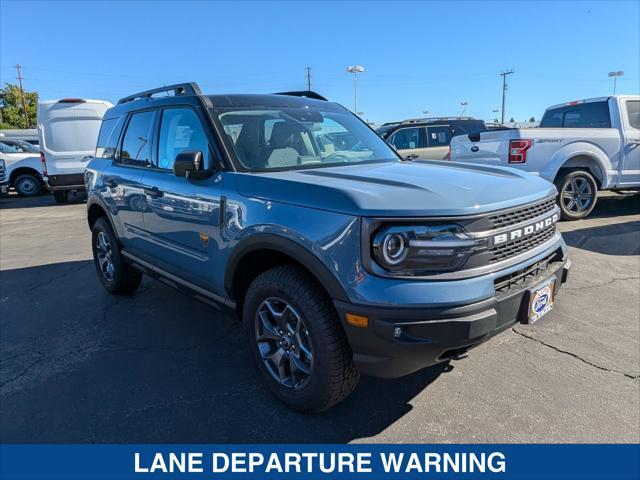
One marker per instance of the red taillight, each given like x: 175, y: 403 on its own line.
x: 518, y: 150
x: 43, y: 161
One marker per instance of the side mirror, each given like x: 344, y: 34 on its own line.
x: 190, y: 164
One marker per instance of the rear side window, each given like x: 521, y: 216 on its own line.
x: 180, y: 130
x: 108, y: 138
x: 583, y: 115
x: 135, y: 145
x: 439, y: 136
x: 633, y: 113
x: 407, y: 138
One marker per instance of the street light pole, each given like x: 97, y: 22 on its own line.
x: 464, y: 107
x: 504, y: 90
x: 356, y: 69
x: 615, y: 76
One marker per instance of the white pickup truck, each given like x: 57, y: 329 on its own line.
x: 582, y: 147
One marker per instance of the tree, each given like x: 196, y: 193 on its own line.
x: 11, y: 109
x: 532, y: 119
x: 512, y: 120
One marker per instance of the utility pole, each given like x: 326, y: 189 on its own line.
x: 24, y: 102
x: 308, y: 79
x: 504, y: 90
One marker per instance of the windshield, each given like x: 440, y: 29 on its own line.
x: 293, y: 138
x: 18, y: 146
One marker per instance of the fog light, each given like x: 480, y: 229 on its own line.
x: 397, y: 332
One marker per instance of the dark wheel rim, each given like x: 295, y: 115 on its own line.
x: 284, y: 343
x: 105, y: 256
x: 27, y: 186
x: 577, y: 195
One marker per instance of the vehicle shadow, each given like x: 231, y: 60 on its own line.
x: 79, y: 365
x: 14, y: 201
x: 607, y: 239
x: 614, y: 205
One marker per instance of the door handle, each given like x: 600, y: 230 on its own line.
x: 153, y: 192
x: 413, y: 156
x: 86, y: 158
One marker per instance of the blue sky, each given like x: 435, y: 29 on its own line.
x: 417, y: 55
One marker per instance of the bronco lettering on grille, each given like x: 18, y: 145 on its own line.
x: 524, y: 232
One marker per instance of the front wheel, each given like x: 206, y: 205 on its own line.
x: 577, y: 194
x: 116, y: 275
x: 27, y: 185
x: 296, y: 340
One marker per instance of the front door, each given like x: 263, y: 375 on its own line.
x: 182, y: 216
x: 630, y: 171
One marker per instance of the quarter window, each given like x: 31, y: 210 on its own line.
x: 108, y: 138
x: 135, y: 145
x: 180, y: 130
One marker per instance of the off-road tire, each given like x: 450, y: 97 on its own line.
x: 125, y: 279
x: 334, y: 375
x: 27, y: 185
x: 565, y: 183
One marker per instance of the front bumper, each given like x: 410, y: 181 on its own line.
x: 4, y: 188
x: 432, y: 335
x: 70, y: 181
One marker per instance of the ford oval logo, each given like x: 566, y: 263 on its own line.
x: 475, y: 148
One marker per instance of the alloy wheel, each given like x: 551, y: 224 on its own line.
x: 577, y: 195
x: 104, y: 253
x: 284, y: 343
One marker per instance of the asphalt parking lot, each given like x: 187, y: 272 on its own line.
x: 79, y: 365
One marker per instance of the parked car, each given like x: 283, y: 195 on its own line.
x: 338, y: 260
x: 427, y: 138
x: 583, y: 147
x: 4, y: 183
x: 29, y: 135
x: 23, y: 166
x: 68, y: 130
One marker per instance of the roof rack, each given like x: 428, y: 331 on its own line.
x: 436, y: 119
x: 304, y: 93
x: 190, y: 88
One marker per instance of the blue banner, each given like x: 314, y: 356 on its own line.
x: 531, y: 462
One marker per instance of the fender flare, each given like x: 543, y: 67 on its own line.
x: 269, y: 241
x: 96, y: 201
x: 578, y: 149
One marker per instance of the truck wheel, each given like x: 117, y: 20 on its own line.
x: 61, y: 196
x: 577, y: 194
x: 296, y: 340
x: 27, y: 185
x: 116, y: 275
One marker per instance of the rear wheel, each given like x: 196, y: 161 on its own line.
x: 116, y: 275
x: 27, y: 185
x: 577, y: 194
x: 296, y: 340
x: 61, y: 196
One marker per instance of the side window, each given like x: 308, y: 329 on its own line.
x: 180, y: 129
x: 583, y: 115
x: 439, y: 136
x: 406, y: 138
x: 553, y: 118
x: 135, y: 145
x: 633, y: 113
x: 108, y: 138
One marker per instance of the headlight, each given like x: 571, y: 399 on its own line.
x: 423, y: 249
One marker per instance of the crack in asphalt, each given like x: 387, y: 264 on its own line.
x: 632, y: 377
x: 51, y: 280
x: 609, y: 282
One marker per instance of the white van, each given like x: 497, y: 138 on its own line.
x: 68, y: 131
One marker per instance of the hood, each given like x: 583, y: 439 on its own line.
x: 399, y: 189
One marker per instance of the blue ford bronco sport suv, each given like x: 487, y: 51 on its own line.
x: 337, y: 256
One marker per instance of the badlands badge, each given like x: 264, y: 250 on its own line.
x: 541, y: 300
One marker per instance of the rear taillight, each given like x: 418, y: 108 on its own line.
x: 518, y: 150
x: 43, y: 161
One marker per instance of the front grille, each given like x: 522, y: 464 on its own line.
x: 2, y: 171
x: 522, y: 214
x: 515, y: 247
x: 524, y: 275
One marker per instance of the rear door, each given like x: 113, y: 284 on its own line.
x: 68, y: 132
x: 124, y: 177
x: 410, y: 142
x: 182, y: 216
x: 630, y: 171
x: 438, y: 140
